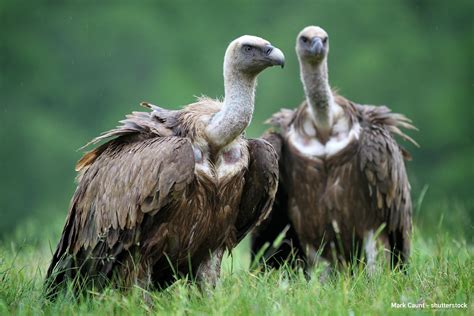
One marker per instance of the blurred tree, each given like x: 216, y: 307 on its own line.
x: 71, y: 70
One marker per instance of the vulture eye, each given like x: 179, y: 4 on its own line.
x: 325, y: 40
x: 304, y: 39
x: 248, y: 48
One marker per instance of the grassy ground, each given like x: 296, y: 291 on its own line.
x: 441, y: 271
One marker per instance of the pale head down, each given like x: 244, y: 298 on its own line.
x: 312, y: 44
x: 251, y: 54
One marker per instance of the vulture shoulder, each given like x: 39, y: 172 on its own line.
x: 137, y: 126
x: 282, y: 120
x: 261, y: 181
x: 381, y: 160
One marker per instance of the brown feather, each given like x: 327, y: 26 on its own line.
x: 359, y: 189
x: 142, y: 211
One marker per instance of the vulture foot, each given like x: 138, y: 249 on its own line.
x: 209, y: 270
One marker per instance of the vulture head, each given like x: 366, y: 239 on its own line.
x: 312, y: 44
x: 251, y: 54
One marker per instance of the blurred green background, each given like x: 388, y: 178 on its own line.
x: 72, y: 70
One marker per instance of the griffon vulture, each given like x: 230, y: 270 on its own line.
x: 170, y: 191
x: 342, y: 173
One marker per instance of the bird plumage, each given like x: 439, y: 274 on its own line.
x: 341, y: 177
x: 159, y: 199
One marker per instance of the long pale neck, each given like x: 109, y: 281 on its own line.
x: 237, y: 109
x: 318, y: 92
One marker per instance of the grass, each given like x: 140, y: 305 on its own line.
x: 441, y: 271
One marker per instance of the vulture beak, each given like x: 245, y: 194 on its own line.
x: 317, y: 46
x: 275, y: 55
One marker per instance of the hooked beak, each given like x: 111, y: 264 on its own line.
x: 275, y: 56
x: 317, y: 47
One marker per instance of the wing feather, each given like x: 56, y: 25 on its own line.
x: 277, y: 221
x: 261, y: 182
x: 382, y: 162
x: 126, y: 182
